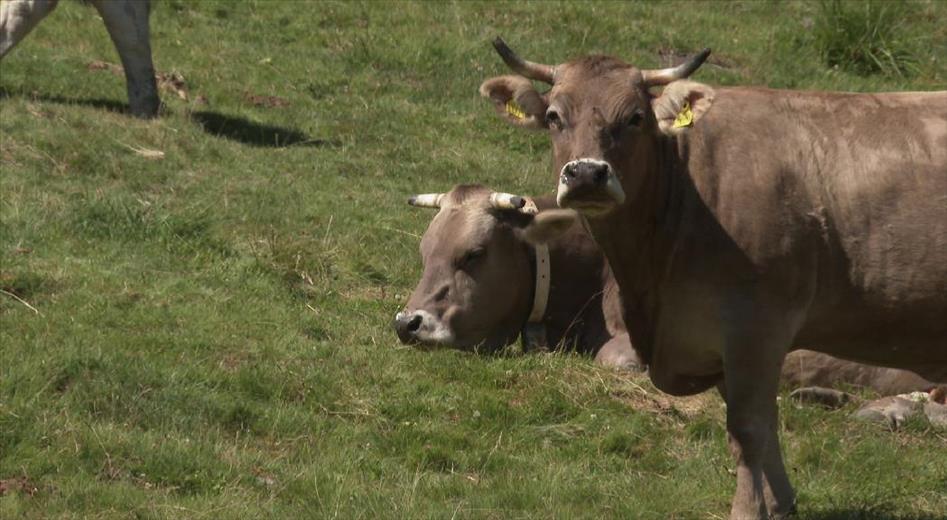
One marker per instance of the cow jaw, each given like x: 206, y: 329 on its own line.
x: 590, y: 187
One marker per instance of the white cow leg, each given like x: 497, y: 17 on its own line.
x: 751, y: 371
x: 18, y: 18
x: 127, y: 23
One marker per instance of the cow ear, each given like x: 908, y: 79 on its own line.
x: 681, y: 105
x: 549, y: 225
x: 516, y: 99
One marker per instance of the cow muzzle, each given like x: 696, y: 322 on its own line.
x: 421, y: 327
x: 589, y: 186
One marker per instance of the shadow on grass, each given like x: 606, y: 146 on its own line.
x: 109, y: 105
x: 861, y: 514
x: 247, y: 132
x: 234, y: 128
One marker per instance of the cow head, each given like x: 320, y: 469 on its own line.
x: 477, y: 286
x: 602, y: 118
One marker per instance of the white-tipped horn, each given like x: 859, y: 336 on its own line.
x: 506, y: 201
x: 426, y: 200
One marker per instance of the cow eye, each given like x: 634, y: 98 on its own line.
x: 553, y: 120
x: 635, y: 119
x: 471, y: 257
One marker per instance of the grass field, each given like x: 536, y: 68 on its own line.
x: 200, y: 327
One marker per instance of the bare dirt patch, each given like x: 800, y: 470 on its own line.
x: 265, y: 101
x: 22, y: 485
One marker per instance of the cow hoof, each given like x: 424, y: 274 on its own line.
x: 821, y: 396
x: 147, y: 108
x: 790, y: 513
x: 777, y: 511
x: 144, y: 112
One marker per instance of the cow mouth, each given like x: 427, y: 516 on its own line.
x: 589, y: 205
x: 587, y: 202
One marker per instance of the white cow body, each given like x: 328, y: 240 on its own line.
x: 127, y: 24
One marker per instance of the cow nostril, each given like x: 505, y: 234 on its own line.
x: 570, y: 171
x: 600, y: 174
x: 414, y: 324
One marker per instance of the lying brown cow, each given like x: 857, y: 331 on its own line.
x: 483, y: 256
x: 741, y: 223
x: 806, y: 368
x: 496, y: 265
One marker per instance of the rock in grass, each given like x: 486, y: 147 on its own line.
x: 826, y: 397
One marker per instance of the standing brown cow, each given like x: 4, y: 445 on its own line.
x: 741, y: 223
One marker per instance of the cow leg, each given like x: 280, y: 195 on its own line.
x: 780, y: 497
x: 127, y: 23
x: 18, y: 18
x: 751, y: 384
x: 777, y: 491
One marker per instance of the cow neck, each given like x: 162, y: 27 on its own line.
x: 534, y: 330
x: 640, y: 244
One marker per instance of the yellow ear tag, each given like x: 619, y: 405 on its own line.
x: 685, y: 117
x: 514, y: 110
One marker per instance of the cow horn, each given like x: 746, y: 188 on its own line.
x: 657, y: 77
x: 426, y: 200
x: 528, y: 69
x: 506, y: 201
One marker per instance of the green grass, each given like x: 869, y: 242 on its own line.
x: 211, y: 329
x: 867, y: 37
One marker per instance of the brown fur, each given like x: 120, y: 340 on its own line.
x: 779, y: 219
x: 807, y: 368
x: 589, y: 318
